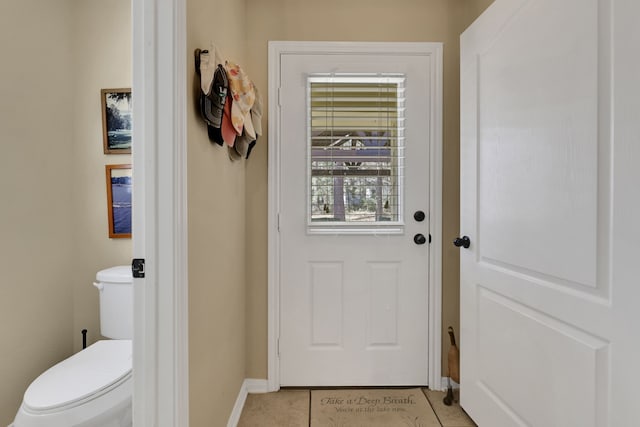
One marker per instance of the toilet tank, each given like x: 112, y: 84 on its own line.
x: 116, y: 302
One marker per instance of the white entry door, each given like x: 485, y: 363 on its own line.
x: 354, y: 205
x: 550, y: 202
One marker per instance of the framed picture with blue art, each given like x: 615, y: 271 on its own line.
x: 116, y: 120
x: 119, y: 200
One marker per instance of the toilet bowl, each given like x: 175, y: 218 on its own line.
x: 92, y: 388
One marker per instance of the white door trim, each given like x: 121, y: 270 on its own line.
x: 276, y: 49
x: 160, y: 346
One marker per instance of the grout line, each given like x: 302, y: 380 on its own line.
x: 426, y: 396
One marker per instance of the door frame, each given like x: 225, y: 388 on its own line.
x: 280, y: 48
x: 160, y: 344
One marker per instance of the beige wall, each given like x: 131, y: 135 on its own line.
x: 56, y: 55
x: 217, y: 263
x: 36, y: 311
x: 101, y: 59
x: 355, y: 20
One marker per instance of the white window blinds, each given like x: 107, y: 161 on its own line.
x: 356, y: 142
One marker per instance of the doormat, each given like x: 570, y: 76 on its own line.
x: 371, y: 408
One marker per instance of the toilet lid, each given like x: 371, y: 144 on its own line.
x: 119, y: 274
x: 87, y: 373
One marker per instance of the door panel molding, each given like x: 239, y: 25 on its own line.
x: 276, y: 51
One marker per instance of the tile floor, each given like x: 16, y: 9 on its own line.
x: 290, y: 408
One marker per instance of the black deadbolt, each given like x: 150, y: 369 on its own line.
x: 419, y: 216
x: 419, y: 239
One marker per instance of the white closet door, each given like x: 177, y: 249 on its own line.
x: 549, y: 146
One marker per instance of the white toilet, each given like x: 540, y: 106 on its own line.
x: 93, y: 387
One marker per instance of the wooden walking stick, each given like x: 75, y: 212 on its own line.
x: 454, y: 367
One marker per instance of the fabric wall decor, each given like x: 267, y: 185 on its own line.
x: 230, y: 104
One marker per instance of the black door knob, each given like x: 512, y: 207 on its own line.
x: 419, y: 216
x: 419, y: 239
x: 463, y: 241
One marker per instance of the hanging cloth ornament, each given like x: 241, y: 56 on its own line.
x: 243, y: 95
x: 213, y: 91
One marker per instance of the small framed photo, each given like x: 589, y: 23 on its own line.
x: 116, y: 120
x: 119, y: 200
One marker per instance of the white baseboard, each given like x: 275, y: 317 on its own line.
x: 255, y: 386
x: 249, y: 385
x: 445, y: 384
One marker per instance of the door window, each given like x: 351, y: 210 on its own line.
x: 355, y: 143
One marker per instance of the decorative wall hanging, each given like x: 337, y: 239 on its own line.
x: 116, y: 120
x: 119, y: 200
x: 229, y: 103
